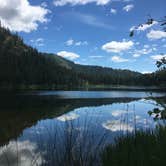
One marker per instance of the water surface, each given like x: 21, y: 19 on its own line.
x: 58, y: 125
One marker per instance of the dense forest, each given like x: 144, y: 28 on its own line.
x: 22, y: 66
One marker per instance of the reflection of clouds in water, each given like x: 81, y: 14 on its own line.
x: 20, y: 153
x: 137, y: 117
x: 68, y: 117
x: 117, y: 113
x: 37, y: 130
x: 117, y: 125
x: 146, y: 123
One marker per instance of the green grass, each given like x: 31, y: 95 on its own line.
x: 144, y: 148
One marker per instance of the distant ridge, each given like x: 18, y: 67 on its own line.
x: 23, y: 67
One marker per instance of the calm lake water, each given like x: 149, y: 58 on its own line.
x: 49, y: 127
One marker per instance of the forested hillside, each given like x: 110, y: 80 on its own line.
x: 22, y: 66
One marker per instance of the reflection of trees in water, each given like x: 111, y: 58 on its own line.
x: 19, y: 112
x: 67, y: 144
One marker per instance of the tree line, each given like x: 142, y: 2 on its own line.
x: 22, y: 66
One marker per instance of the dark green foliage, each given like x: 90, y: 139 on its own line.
x: 159, y: 113
x: 132, y: 33
x: 163, y: 23
x: 159, y: 77
x: 150, y: 21
x: 141, y: 149
x: 161, y: 63
x: 23, y: 67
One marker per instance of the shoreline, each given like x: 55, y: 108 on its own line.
x: 83, y: 88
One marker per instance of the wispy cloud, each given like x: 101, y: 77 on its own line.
x: 44, y: 4
x: 90, y: 20
x: 71, y: 42
x: 127, y: 0
x: 38, y: 42
x: 96, y: 56
x: 118, y: 59
x: 79, y: 2
x: 113, y: 11
x: 129, y: 7
x: 139, y: 52
x: 158, y: 57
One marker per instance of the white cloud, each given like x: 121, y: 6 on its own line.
x: 20, y: 15
x: 81, y: 43
x: 69, y: 42
x: 154, y: 49
x: 118, y: 59
x: 158, y: 57
x: 117, y: 125
x: 79, y: 2
x: 136, y: 55
x: 146, y: 46
x: 156, y: 34
x: 68, y: 55
x: 68, y: 117
x: 20, y: 153
x: 117, y: 47
x: 38, y: 42
x: 113, y: 11
x: 129, y: 7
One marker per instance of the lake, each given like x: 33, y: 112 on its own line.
x: 62, y: 127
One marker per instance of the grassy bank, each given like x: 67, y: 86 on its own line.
x: 139, y: 149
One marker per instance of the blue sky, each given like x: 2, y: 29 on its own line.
x: 92, y: 32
